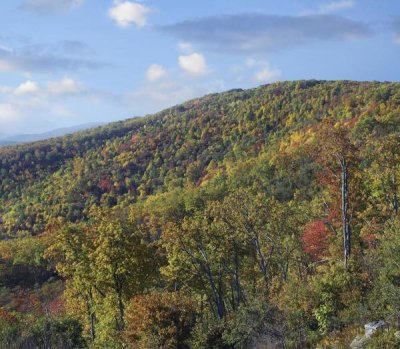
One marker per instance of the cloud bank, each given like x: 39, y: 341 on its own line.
x: 261, y: 33
x: 61, y: 56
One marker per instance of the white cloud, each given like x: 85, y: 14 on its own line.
x: 27, y: 87
x: 168, y: 92
x: 259, y: 71
x: 126, y: 13
x: 8, y: 113
x: 155, y: 72
x: 32, y: 114
x: 336, y: 6
x: 36, y: 105
x: 397, y: 39
x: 64, y: 86
x: 193, y: 64
x: 267, y: 74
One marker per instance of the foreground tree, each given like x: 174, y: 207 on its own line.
x: 384, y: 173
x: 105, y: 262
x: 122, y: 261
x: 234, y: 251
x: 337, y: 154
x: 70, y: 250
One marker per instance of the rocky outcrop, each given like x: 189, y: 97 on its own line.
x: 370, y: 328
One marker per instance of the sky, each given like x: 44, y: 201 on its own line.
x: 70, y: 62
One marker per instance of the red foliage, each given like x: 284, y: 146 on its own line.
x: 315, y: 239
x: 7, y: 316
x: 335, y: 215
x: 27, y: 302
x: 136, y: 139
x: 124, y: 147
x: 57, y: 307
x: 167, y: 317
x: 326, y: 179
x: 105, y: 184
x: 371, y: 236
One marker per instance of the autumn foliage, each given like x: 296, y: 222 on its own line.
x: 316, y: 239
x: 214, y: 224
x: 162, y: 320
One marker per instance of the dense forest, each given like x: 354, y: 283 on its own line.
x: 261, y: 218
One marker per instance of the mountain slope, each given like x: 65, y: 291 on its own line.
x: 180, y: 146
x: 243, y: 219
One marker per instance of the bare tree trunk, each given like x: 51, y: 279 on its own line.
x: 216, y: 292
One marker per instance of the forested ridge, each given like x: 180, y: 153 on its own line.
x: 261, y: 218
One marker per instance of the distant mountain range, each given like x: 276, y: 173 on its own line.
x: 26, y: 138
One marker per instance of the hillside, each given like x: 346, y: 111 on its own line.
x: 223, y: 211
x: 134, y: 158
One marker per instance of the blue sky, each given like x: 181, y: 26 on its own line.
x: 69, y: 62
